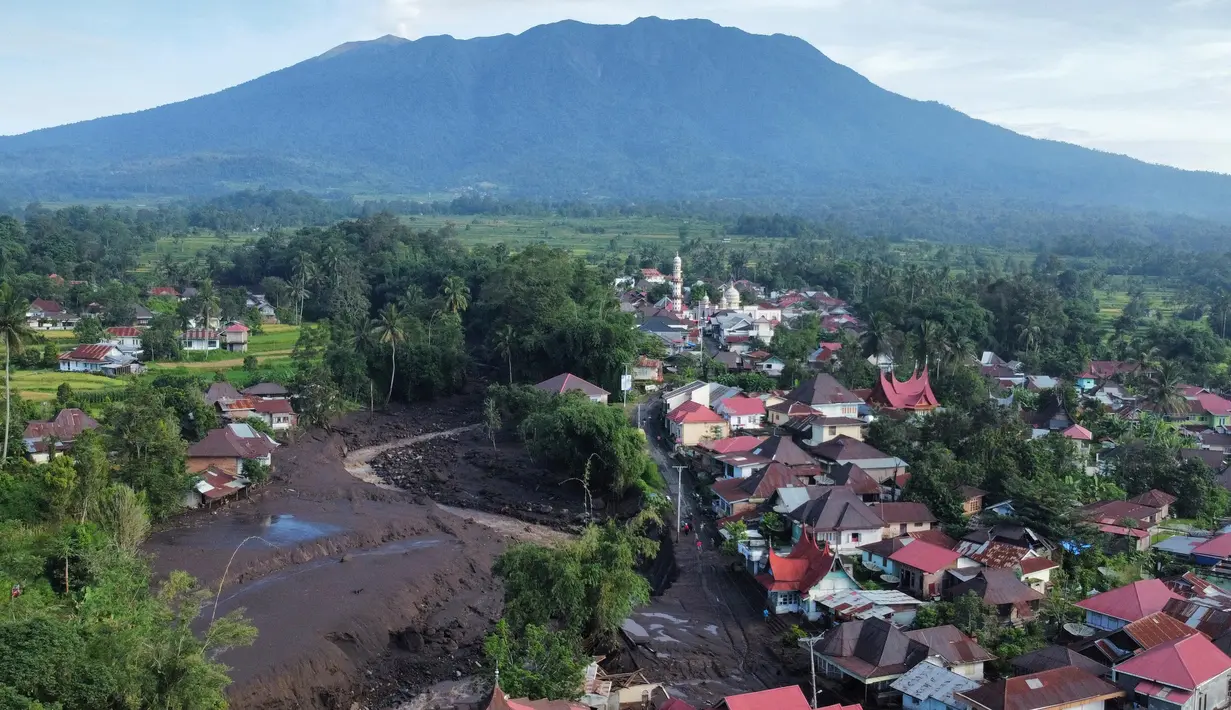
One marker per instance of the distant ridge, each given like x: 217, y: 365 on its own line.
x: 655, y: 108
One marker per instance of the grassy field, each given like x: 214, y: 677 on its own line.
x: 191, y: 245
x: 40, y: 385
x: 581, y: 235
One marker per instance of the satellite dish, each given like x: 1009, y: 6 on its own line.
x: 1080, y: 630
x: 889, y: 579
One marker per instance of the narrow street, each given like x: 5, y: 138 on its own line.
x: 705, y: 635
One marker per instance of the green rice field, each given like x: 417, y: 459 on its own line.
x: 40, y: 385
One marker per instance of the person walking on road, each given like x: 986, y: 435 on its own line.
x: 766, y: 614
x: 698, y: 545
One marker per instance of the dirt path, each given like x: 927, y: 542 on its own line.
x: 358, y: 462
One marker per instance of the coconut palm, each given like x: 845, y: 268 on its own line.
x: 207, y: 300
x: 1029, y: 333
x: 504, y: 342
x: 456, y: 293
x: 15, y: 333
x: 1165, y: 393
x: 303, y: 272
x: 390, y: 327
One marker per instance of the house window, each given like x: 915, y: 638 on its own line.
x: 854, y: 537
x: 833, y: 430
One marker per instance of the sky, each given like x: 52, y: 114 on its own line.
x: 1148, y: 78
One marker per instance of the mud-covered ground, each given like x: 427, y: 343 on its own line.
x: 467, y: 470
x: 344, y: 579
x: 366, y: 566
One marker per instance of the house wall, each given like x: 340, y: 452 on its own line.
x: 1101, y: 621
x: 821, y: 434
x: 884, y: 563
x: 773, y: 368
x: 199, y: 344
x: 1038, y: 581
x: 847, y: 542
x: 226, y: 464
x: 929, y: 704
x: 726, y: 509
x: 79, y: 366
x: 972, y: 505
x: 690, y: 434
x: 745, y: 421
x: 973, y: 671
x: 1211, y: 695
x: 900, y: 529
x: 837, y: 410
x: 918, y: 583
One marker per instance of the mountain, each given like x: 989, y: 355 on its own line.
x: 651, y: 109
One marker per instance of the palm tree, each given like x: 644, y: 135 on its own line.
x: 207, y: 299
x: 169, y: 268
x: 456, y: 293
x: 504, y: 341
x: 390, y: 327
x: 15, y: 332
x: 303, y: 271
x: 1029, y: 334
x: 1165, y: 393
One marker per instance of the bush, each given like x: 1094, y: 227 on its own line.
x: 256, y: 471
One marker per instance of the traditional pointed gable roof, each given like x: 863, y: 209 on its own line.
x: 1130, y: 602
x: 800, y: 570
x: 914, y: 394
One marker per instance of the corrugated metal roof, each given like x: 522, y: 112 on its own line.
x: 928, y: 681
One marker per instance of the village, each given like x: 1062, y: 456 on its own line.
x: 887, y: 601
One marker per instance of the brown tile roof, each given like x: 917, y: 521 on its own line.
x: 837, y: 509
x: 66, y: 426
x: 951, y: 644
x: 242, y: 404
x: 822, y: 389
x: 902, y: 512
x: 1157, y: 628
x: 200, y: 334
x: 999, y: 555
x: 124, y: 332
x: 873, y: 648
x: 845, y: 448
x: 1059, y: 686
x: 935, y: 536
x: 274, y: 406
x: 1049, y: 657
x: 227, y: 443
x: 266, y: 389
x: 997, y: 586
x: 851, y: 476
x: 1154, y: 498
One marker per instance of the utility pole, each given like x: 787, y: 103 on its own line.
x: 679, y: 499
x: 811, y: 641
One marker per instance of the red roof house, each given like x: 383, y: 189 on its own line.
x: 914, y: 394
x: 1116, y: 608
x: 164, y: 291
x: 64, y: 429
x: 1065, y: 687
x: 46, y: 307
x: 800, y: 570
x: 568, y: 382
x: 925, y: 556
x: 692, y: 422
x: 733, y: 445
x: 1185, y: 664
x: 1218, y: 548
x: 1077, y: 432
x: 788, y: 698
x: 742, y: 412
x: 124, y: 332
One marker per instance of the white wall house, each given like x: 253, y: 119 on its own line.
x: 200, y: 339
